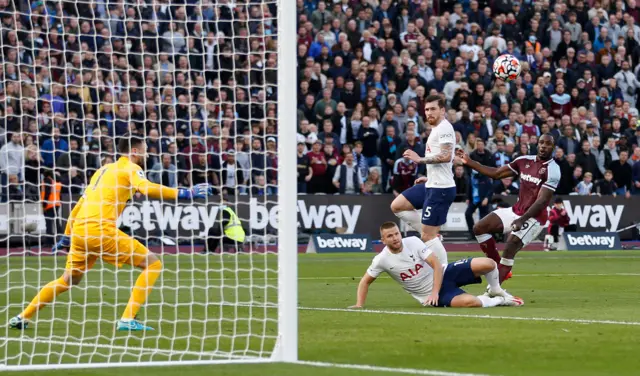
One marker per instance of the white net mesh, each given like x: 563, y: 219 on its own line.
x: 196, y: 79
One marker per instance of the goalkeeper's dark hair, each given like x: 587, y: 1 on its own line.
x: 128, y: 142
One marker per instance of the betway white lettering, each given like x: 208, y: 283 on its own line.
x: 595, y: 216
x: 583, y: 240
x: 339, y: 242
x: 530, y: 179
x: 152, y: 215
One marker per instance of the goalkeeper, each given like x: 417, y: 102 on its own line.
x: 91, y: 232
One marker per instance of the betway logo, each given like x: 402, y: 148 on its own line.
x: 152, y: 215
x: 583, y: 240
x: 186, y: 217
x: 531, y: 179
x: 314, y: 216
x: 596, y: 216
x: 339, y: 242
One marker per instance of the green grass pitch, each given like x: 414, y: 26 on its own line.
x: 581, y: 317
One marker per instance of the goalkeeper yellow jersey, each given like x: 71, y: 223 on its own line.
x: 111, y: 187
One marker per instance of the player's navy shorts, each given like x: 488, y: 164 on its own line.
x: 435, y: 202
x: 456, y: 275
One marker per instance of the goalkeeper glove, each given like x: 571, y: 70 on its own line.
x: 198, y: 191
x: 64, y: 243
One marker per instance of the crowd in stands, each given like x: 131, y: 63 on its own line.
x: 199, y: 80
x: 365, y: 68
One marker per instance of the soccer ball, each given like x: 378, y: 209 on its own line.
x: 506, y: 67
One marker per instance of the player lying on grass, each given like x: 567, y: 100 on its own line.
x: 91, y: 232
x: 539, y: 177
x: 409, y: 262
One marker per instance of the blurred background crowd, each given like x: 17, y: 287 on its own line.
x: 198, y: 79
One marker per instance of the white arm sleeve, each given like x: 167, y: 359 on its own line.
x: 375, y: 269
x: 553, y: 177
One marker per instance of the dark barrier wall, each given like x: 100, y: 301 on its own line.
x: 351, y: 214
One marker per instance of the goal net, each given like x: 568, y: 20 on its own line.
x: 200, y: 81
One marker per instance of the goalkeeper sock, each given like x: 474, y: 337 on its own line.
x: 436, y: 246
x: 488, y: 302
x: 46, y: 295
x: 412, y: 218
x: 141, y: 290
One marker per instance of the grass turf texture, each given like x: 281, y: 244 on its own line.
x: 190, y: 320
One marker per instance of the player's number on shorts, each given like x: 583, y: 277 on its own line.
x: 99, y: 177
x: 427, y: 212
x: 460, y: 262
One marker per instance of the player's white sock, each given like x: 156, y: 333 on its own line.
x: 411, y: 217
x: 507, y: 262
x: 436, y: 246
x: 493, y: 278
x: 488, y: 302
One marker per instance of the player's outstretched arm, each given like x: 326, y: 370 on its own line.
x: 363, y: 290
x: 154, y: 190
x: 438, y: 275
x: 444, y: 156
x: 492, y: 172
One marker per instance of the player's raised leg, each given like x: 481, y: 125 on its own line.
x: 151, y: 266
x: 78, y: 263
x: 408, y: 205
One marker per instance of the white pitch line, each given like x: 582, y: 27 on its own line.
x: 410, y: 371
x: 517, y: 318
x: 357, y: 278
x: 125, y: 348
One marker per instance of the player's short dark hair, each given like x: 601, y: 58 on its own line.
x: 128, y: 142
x: 550, y: 135
x: 387, y: 225
x: 435, y: 98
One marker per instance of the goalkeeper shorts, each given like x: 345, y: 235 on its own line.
x: 90, y: 242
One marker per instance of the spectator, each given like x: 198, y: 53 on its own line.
x: 305, y: 172
x: 586, y: 185
x: 347, y: 177
x: 606, y: 186
x: 559, y: 221
x: 389, y: 144
x: 231, y: 175
x: 567, y: 142
x: 369, y: 138
x: 73, y: 158
x: 405, y: 172
x: 319, y: 165
x: 53, y: 148
x: 506, y: 187
x: 586, y: 160
x: 622, y: 174
x: 12, y: 161
x: 372, y: 185
x: 164, y: 172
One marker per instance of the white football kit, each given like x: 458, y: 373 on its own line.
x: 440, y: 174
x: 408, y: 267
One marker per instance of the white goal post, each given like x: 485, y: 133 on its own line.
x: 225, y: 307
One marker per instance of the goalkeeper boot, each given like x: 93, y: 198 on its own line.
x: 19, y: 323
x: 133, y: 326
